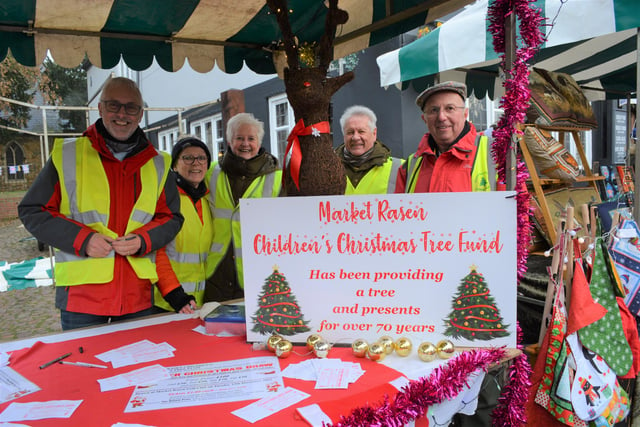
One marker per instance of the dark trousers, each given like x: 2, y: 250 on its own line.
x: 73, y: 320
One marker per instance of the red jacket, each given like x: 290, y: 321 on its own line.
x: 450, y: 172
x: 40, y: 213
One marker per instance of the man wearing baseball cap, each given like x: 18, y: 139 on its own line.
x: 451, y: 156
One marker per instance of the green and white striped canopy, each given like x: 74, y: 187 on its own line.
x: 592, y: 40
x: 204, y: 32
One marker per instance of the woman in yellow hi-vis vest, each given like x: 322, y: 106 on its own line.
x: 246, y: 170
x: 188, y: 253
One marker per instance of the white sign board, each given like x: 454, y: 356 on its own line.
x: 424, y: 266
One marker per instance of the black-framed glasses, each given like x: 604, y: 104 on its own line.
x: 191, y: 159
x: 131, y: 108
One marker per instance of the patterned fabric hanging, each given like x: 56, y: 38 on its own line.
x: 605, y: 336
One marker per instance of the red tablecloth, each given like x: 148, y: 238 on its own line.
x: 64, y: 382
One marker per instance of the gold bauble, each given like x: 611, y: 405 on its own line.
x: 360, y: 347
x: 312, y: 340
x: 445, y: 349
x: 427, y: 352
x: 321, y: 349
x: 272, y: 341
x: 387, y: 343
x: 403, y: 346
x: 376, y: 352
x: 283, y: 348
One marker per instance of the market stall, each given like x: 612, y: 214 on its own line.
x: 579, y: 280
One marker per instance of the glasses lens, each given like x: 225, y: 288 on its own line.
x: 112, y: 106
x: 191, y: 159
x: 130, y: 108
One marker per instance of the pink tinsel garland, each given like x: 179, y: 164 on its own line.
x: 515, y: 103
x: 511, y: 403
x: 445, y: 382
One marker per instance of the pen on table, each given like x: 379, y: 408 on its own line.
x: 88, y: 365
x: 57, y: 359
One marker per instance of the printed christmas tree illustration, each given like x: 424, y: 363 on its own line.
x: 474, y: 313
x: 278, y: 310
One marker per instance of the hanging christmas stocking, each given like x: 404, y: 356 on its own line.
x: 605, y: 336
x: 554, y: 392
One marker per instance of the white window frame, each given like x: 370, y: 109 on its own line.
x: 194, y: 131
x: 167, y: 139
x: 215, y: 143
x: 273, y: 128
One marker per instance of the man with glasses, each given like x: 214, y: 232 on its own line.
x: 104, y: 202
x: 451, y: 156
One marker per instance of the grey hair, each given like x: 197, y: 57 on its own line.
x: 359, y: 110
x: 240, y: 119
x: 117, y: 82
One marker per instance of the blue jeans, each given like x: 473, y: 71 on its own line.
x: 73, y: 320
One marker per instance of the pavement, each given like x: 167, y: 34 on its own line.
x: 30, y: 312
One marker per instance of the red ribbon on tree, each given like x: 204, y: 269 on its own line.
x: 293, y: 145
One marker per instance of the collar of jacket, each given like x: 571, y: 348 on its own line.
x: 377, y: 156
x: 140, y: 155
x: 262, y: 164
x: 460, y: 148
x: 195, y: 193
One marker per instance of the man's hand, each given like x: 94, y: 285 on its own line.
x: 127, y: 245
x: 189, y: 308
x: 99, y: 246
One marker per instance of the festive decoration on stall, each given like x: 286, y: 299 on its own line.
x: 278, y: 310
x: 321, y: 349
x: 387, y: 344
x: 319, y: 171
x: 272, y: 341
x: 307, y: 54
x: 376, y: 352
x: 445, y: 349
x: 515, y: 102
x: 283, y: 349
x: 427, y: 352
x: 312, y: 340
x: 444, y: 383
x: 293, y: 151
x: 403, y: 346
x: 474, y: 314
x: 360, y: 347
x: 510, y: 410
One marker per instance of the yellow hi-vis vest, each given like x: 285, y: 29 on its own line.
x: 226, y: 215
x: 482, y: 171
x: 85, y: 198
x: 188, y: 253
x: 379, y: 179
